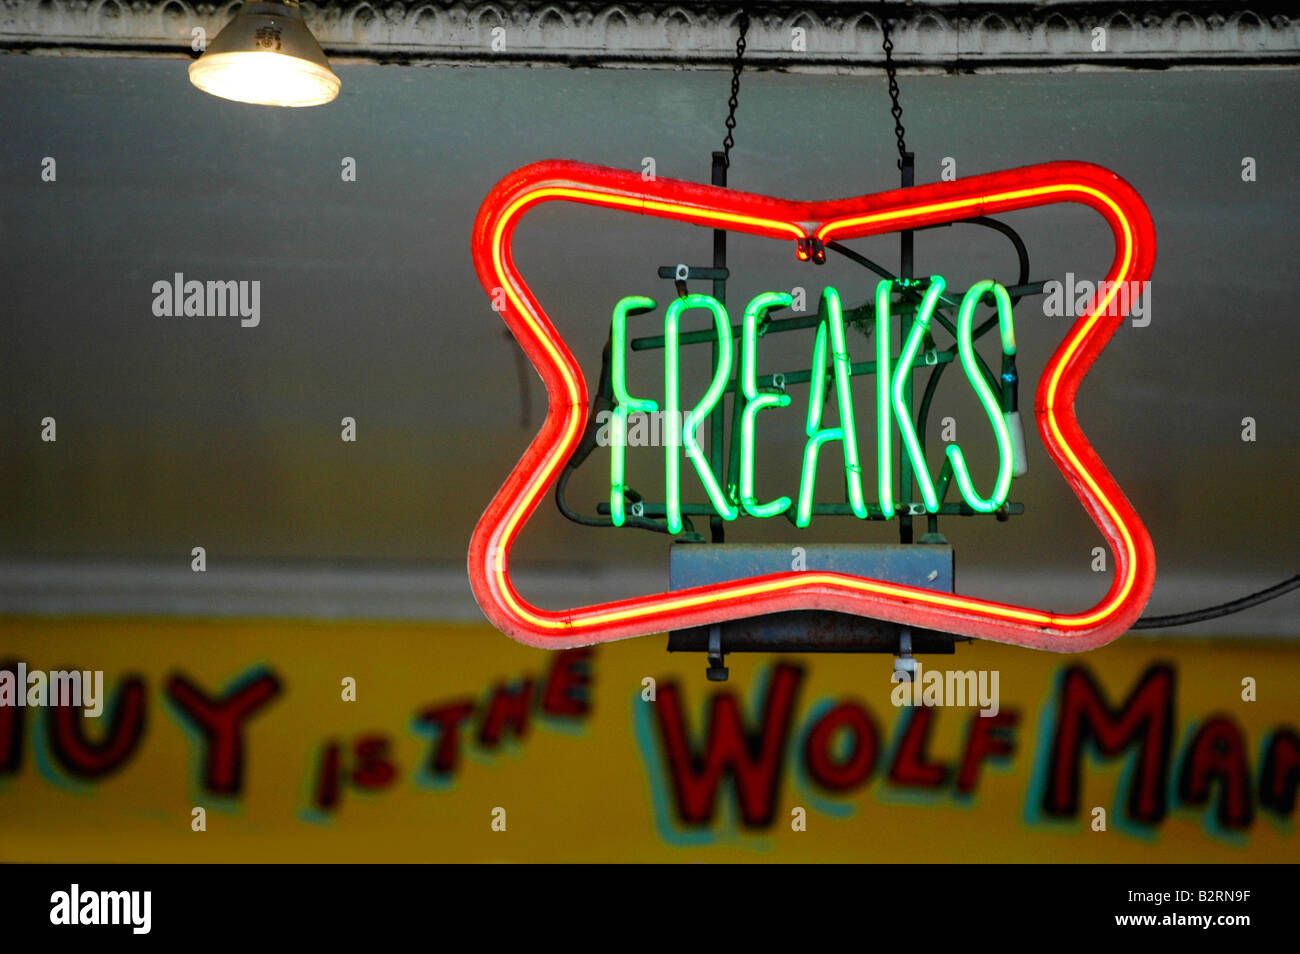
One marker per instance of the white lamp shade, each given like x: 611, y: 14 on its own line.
x: 267, y: 56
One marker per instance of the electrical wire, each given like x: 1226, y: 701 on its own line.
x: 1223, y: 609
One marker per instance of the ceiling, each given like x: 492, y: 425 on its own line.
x: 812, y: 35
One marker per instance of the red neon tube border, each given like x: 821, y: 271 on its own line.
x: 710, y: 206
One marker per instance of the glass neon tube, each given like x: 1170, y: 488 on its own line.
x: 755, y: 402
x: 624, y: 403
x: 902, y: 372
x: 832, y: 328
x: 966, y: 350
x: 682, y: 432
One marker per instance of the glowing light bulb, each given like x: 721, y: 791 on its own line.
x: 268, y: 57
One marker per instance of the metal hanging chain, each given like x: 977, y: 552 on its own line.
x: 737, y: 67
x: 896, y: 110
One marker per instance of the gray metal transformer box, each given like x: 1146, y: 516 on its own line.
x: 930, y: 566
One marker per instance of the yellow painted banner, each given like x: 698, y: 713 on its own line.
x: 352, y: 742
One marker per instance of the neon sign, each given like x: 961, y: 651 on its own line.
x: 811, y: 224
x: 891, y: 410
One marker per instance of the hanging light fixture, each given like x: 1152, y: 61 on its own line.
x: 267, y: 56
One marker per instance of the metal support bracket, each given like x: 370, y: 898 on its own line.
x: 716, y: 672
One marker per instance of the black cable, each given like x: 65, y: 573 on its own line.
x: 1223, y: 609
x: 525, y: 392
x: 862, y: 260
x: 640, y: 523
x: 1022, y: 258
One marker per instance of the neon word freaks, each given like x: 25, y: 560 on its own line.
x: 831, y: 357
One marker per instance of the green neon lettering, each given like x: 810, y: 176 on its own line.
x: 966, y: 350
x: 681, y: 432
x: 755, y: 402
x: 624, y: 403
x: 830, y: 355
x: 884, y: 432
x: 902, y: 374
x: 833, y: 327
